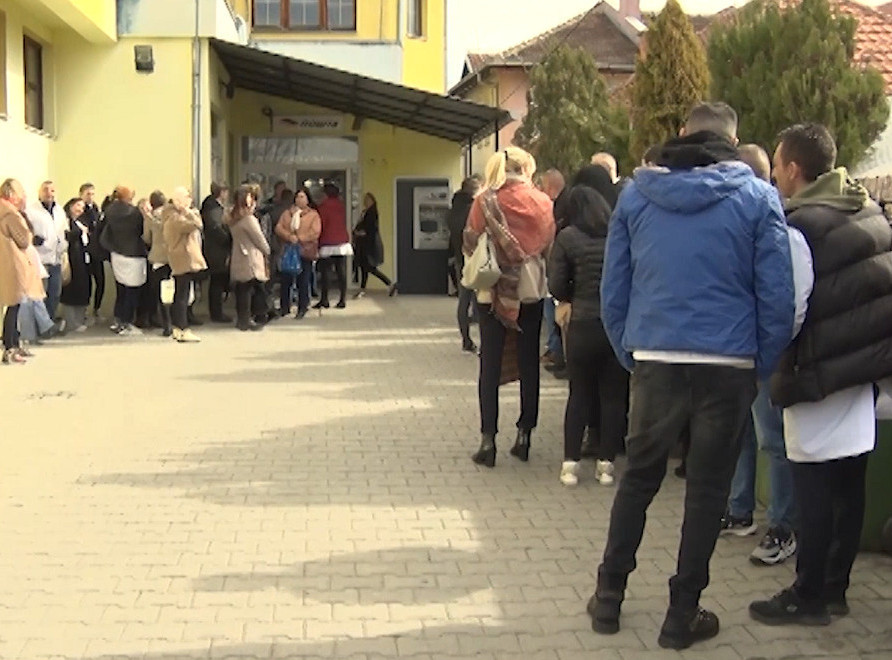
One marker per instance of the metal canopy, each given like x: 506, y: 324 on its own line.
x: 366, y: 98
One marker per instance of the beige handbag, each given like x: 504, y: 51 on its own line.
x: 481, y: 269
x: 66, y: 269
x: 532, y: 285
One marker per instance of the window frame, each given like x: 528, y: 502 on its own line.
x: 30, y: 42
x: 285, y: 20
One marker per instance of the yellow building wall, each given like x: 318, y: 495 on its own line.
x: 376, y: 20
x: 120, y: 126
x: 385, y: 153
x: 94, y: 20
x: 24, y: 152
x: 424, y: 58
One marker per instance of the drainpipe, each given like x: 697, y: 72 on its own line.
x: 196, y: 106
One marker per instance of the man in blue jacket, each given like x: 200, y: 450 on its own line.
x: 697, y: 301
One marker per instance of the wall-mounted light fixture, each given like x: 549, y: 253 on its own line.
x: 144, y: 59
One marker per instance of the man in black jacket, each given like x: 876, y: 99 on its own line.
x: 217, y: 249
x: 457, y: 219
x: 825, y: 378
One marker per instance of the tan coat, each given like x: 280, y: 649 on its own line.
x: 153, y: 236
x: 182, y: 233
x: 18, y: 276
x: 305, y: 231
x: 250, y: 250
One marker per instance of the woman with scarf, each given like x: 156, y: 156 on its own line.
x: 598, y: 383
x: 520, y: 223
x: 299, y: 226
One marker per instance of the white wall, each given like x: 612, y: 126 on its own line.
x: 176, y: 18
x: 381, y: 61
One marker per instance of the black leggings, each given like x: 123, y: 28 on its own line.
x: 126, y: 303
x: 250, y: 300
x: 11, y: 327
x: 367, y: 270
x: 599, y: 391
x: 492, y: 345
x: 179, y: 311
x: 340, y: 267
x: 97, y: 271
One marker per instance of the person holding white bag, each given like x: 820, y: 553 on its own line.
x: 514, y: 222
x: 159, y: 273
x: 182, y: 227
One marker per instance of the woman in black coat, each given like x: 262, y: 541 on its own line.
x: 76, y: 294
x: 598, y: 383
x: 368, y: 246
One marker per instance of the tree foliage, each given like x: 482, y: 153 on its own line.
x: 569, y: 116
x: 671, y: 76
x: 778, y: 67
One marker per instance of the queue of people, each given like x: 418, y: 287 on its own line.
x: 160, y: 250
x: 697, y: 302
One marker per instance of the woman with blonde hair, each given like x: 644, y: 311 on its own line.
x: 519, y: 221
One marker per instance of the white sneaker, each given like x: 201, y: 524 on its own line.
x: 568, y: 473
x: 604, y: 472
x: 176, y: 334
x: 130, y: 331
x: 188, y: 337
x: 81, y: 328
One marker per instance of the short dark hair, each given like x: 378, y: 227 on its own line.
x: 331, y: 189
x: 157, y: 199
x: 470, y: 186
x: 653, y: 152
x: 810, y: 146
x: 716, y: 117
x: 85, y: 187
x: 217, y: 189
x: 287, y: 195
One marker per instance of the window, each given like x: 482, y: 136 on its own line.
x: 33, y: 62
x: 305, y: 14
x: 416, y: 18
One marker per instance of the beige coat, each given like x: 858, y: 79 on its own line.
x: 305, y: 231
x: 250, y: 250
x: 18, y: 276
x: 153, y: 236
x: 182, y: 233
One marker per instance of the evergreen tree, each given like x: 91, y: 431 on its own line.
x: 568, y: 113
x: 671, y: 76
x: 778, y: 67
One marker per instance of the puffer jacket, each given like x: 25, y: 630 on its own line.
x: 577, y: 258
x: 698, y: 260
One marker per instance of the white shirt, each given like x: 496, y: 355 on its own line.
x: 842, y: 424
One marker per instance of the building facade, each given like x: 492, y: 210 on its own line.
x: 161, y: 93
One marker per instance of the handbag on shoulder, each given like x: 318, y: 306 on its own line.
x: 481, y: 270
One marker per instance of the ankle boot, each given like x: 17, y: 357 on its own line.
x: 521, y: 448
x: 486, y: 455
x: 604, y: 606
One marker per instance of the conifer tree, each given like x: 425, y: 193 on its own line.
x: 568, y: 112
x: 778, y: 67
x: 671, y: 76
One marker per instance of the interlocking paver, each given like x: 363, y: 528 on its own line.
x: 306, y: 492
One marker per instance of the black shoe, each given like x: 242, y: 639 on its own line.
x: 682, y: 471
x: 221, y: 319
x: 322, y: 304
x: 557, y: 364
x: 589, y: 446
x: 680, y: 633
x: 469, y: 346
x: 300, y: 314
x: 486, y: 455
x: 786, y: 608
x: 167, y: 332
x: 521, y: 448
x: 838, y: 607
x: 393, y: 290
x: 341, y: 305
x: 605, y: 604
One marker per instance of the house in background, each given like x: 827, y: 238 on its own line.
x: 162, y: 93
x: 612, y: 36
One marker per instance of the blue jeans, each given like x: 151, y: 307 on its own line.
x: 768, y: 422
x: 553, y: 343
x: 34, y: 319
x: 53, y: 287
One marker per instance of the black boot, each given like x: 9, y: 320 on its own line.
x: 521, y: 448
x: 680, y: 631
x: 166, y: 328
x: 486, y: 455
x: 604, y: 606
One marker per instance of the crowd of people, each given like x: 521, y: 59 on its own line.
x: 161, y: 252
x: 695, y: 305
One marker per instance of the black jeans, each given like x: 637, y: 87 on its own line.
x: 11, y: 327
x: 599, y: 391
x: 339, y: 264
x: 179, y: 311
x: 492, y: 345
x: 663, y: 398
x: 367, y: 270
x: 126, y: 303
x: 97, y: 272
x: 831, y: 519
x: 219, y: 283
x: 467, y: 304
x: 250, y: 301
x: 301, y: 281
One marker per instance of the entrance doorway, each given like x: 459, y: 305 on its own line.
x: 314, y: 180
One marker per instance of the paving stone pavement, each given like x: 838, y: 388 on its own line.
x: 306, y: 492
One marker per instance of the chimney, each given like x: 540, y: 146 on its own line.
x: 630, y: 9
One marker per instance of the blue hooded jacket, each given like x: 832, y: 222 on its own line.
x: 698, y: 260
